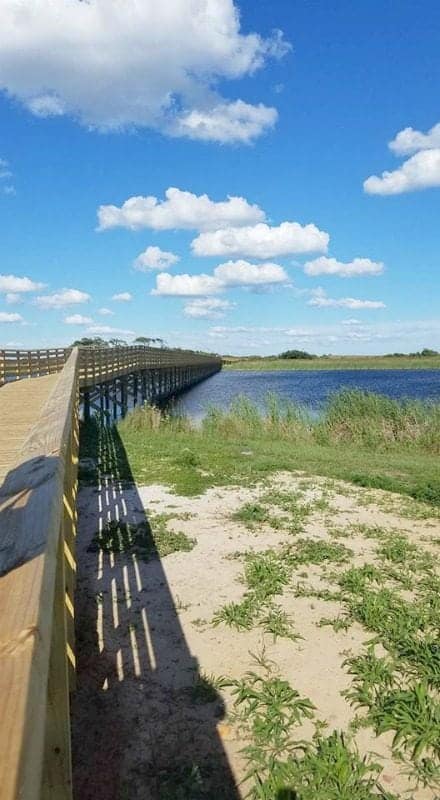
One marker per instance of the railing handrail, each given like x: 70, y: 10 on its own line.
x: 97, y: 364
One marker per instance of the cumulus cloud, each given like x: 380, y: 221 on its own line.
x: 114, y: 65
x: 186, y: 285
x: 319, y: 298
x: 227, y: 122
x: 108, y: 330
x: 421, y: 171
x: 65, y: 297
x: 12, y: 284
x: 242, y: 273
x: 229, y: 275
x: 122, y: 297
x: 180, y: 209
x: 155, y: 258
x: 261, y: 240
x: 77, y: 319
x: 207, y: 308
x: 331, y: 266
x: 410, y: 141
x: 106, y: 312
x: 5, y: 316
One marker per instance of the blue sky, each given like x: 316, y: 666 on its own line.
x: 291, y: 107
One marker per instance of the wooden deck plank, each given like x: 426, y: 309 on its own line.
x: 21, y: 403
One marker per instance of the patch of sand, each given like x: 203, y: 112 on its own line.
x: 144, y: 634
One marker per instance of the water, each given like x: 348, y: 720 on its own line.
x: 308, y: 388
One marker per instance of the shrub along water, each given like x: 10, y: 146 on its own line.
x: 365, y: 419
x: 370, y: 440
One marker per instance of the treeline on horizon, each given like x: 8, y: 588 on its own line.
x: 145, y: 341
x: 304, y: 355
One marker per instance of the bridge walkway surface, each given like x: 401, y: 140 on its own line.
x: 21, y: 405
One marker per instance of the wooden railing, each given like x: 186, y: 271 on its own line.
x: 37, y: 569
x: 16, y: 364
x: 96, y: 365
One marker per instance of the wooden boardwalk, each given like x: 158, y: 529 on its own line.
x: 21, y: 405
x: 40, y: 396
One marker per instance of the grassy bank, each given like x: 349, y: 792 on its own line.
x: 363, y: 438
x: 334, y: 362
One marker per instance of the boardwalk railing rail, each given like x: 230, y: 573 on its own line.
x: 37, y: 552
x: 37, y: 569
x: 97, y: 364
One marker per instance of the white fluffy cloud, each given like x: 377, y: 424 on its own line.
x: 331, y: 266
x: 410, y: 141
x: 12, y: 284
x: 61, y: 299
x: 77, y: 319
x: 319, y: 298
x: 242, y: 273
x: 113, y: 64
x: 207, y: 308
x: 186, y: 285
x: 8, y: 317
x: 122, y: 297
x: 155, y: 258
x: 261, y: 240
x: 180, y: 209
x: 421, y: 171
x: 106, y: 312
x: 226, y: 276
x: 227, y: 122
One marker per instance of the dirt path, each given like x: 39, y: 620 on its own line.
x: 149, y: 721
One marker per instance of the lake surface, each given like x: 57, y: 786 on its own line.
x: 308, y: 388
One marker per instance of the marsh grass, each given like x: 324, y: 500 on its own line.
x: 376, y: 443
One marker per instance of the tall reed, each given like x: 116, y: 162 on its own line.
x: 364, y: 419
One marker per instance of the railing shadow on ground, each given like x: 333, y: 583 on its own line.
x: 137, y: 733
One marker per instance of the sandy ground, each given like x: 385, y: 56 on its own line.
x: 144, y: 633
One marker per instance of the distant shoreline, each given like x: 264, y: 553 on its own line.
x: 333, y: 363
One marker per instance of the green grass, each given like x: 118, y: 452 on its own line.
x: 369, y: 443
x: 334, y: 362
x: 266, y: 575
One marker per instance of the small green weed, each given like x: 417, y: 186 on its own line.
x: 240, y: 616
x: 278, y: 623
